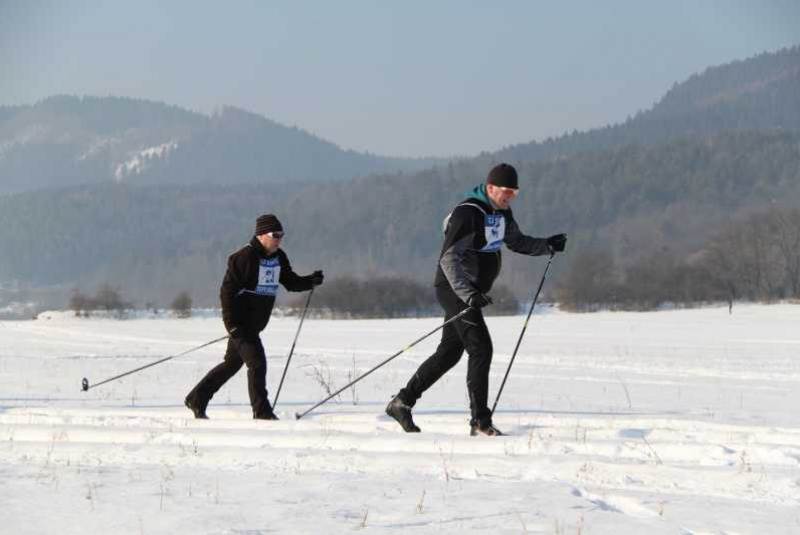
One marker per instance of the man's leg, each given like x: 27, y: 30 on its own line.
x: 446, y: 356
x: 475, y: 336
x: 197, y: 400
x: 478, y: 344
x: 252, y: 353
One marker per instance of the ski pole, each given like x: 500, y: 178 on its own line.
x: 85, y: 382
x: 524, y: 327
x: 291, y: 351
x: 412, y: 344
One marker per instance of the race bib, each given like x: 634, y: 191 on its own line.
x: 269, y: 273
x: 495, y: 227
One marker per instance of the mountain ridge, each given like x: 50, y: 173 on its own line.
x: 774, y: 105
x: 70, y: 140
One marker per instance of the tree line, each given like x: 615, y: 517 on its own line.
x: 754, y: 257
x: 343, y: 297
x: 389, y: 297
x: 109, y: 299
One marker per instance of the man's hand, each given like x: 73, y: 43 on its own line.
x: 479, y: 300
x: 317, y: 277
x: 557, y: 242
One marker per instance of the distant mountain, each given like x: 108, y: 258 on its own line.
x: 63, y: 141
x: 762, y: 92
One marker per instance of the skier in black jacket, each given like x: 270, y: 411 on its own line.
x: 248, y: 294
x: 468, y: 265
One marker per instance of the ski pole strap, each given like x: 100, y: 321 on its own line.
x: 412, y: 344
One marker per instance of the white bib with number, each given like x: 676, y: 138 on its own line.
x: 269, y: 273
x: 495, y: 228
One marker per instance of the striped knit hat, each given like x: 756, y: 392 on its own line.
x: 268, y: 223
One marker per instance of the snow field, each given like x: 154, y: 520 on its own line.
x: 667, y: 422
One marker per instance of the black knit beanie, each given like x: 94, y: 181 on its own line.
x: 504, y: 176
x: 268, y: 223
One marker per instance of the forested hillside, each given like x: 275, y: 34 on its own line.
x: 157, y: 240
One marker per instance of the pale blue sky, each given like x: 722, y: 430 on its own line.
x: 405, y: 78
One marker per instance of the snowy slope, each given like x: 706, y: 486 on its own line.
x: 667, y: 422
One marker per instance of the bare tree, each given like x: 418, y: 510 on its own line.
x: 109, y: 298
x: 762, y: 226
x: 650, y: 281
x: 182, y: 305
x: 80, y: 303
x: 589, y: 283
x: 787, y: 235
x: 720, y: 260
x: 757, y: 256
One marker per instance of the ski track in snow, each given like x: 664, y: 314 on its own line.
x: 668, y: 422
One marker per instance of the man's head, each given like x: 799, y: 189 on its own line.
x: 269, y: 232
x: 502, y: 185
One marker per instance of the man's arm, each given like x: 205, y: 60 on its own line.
x: 232, y: 284
x: 291, y: 280
x: 520, y: 243
x: 459, y: 241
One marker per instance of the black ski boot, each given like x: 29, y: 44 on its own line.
x: 485, y: 429
x: 198, y: 410
x: 401, y: 412
x: 264, y: 413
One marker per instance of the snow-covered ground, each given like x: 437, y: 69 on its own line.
x: 667, y: 422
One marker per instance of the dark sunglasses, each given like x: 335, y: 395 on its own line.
x: 276, y: 235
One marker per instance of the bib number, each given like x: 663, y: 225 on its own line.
x: 495, y: 227
x: 269, y: 273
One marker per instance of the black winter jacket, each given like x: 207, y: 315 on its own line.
x: 470, y: 260
x: 250, y: 284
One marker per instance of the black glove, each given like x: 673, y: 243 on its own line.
x: 479, y: 300
x: 317, y: 277
x: 557, y: 242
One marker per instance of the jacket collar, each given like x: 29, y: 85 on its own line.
x: 478, y: 193
x: 259, y: 249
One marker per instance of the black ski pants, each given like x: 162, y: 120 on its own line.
x: 240, y: 351
x: 468, y: 332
